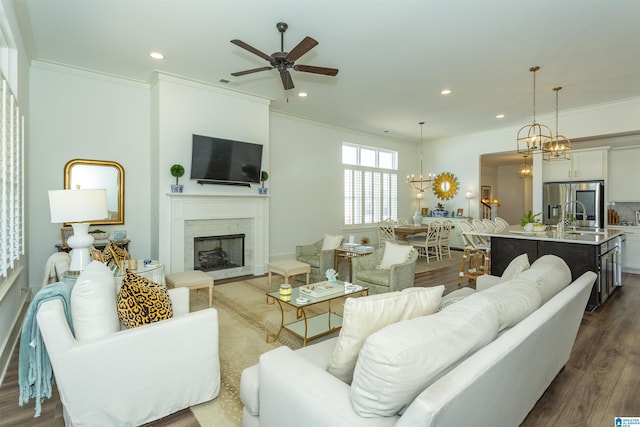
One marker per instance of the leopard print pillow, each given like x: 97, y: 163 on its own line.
x: 141, y: 301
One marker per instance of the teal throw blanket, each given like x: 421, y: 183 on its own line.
x: 35, y: 375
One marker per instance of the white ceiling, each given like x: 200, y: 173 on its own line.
x: 394, y: 56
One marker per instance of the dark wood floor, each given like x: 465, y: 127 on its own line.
x: 601, y: 380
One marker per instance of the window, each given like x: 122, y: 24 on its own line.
x: 370, y: 184
x: 11, y: 181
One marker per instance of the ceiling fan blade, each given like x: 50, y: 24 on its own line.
x: 251, y: 49
x: 287, y: 81
x: 316, y: 70
x: 303, y: 47
x: 254, y: 70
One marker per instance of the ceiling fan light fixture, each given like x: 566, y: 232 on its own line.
x: 283, y: 61
x: 534, y: 137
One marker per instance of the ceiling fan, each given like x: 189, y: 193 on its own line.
x: 284, y: 60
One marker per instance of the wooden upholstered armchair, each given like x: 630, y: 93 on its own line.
x: 318, y: 259
x: 396, y: 278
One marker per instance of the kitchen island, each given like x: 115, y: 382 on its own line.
x: 583, y: 250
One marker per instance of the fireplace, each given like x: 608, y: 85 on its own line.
x: 211, y: 253
x: 198, y: 215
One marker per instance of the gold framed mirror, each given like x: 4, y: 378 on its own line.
x: 90, y: 174
x: 446, y: 186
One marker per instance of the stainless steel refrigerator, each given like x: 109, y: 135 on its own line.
x: 582, y: 200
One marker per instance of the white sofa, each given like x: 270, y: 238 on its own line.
x: 496, y: 385
x: 133, y: 376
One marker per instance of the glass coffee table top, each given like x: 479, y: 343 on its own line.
x: 310, y: 327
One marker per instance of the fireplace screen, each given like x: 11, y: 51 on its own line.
x: 218, y: 252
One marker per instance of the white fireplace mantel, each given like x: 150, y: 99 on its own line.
x: 190, y: 207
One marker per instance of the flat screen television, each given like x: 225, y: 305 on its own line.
x: 224, y: 161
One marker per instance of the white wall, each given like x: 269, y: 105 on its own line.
x: 185, y: 108
x: 81, y: 115
x: 461, y: 155
x: 306, y: 181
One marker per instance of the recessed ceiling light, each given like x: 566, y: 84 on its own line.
x: 445, y: 92
x: 156, y: 55
x: 500, y: 116
x: 302, y: 94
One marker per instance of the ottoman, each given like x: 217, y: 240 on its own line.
x: 195, y: 279
x: 288, y: 268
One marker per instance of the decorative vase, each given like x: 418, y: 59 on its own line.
x: 177, y: 188
x: 417, y: 219
x: 262, y: 190
x: 528, y: 227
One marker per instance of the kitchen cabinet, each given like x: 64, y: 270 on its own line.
x: 630, y: 249
x: 600, y: 255
x: 584, y: 165
x: 622, y: 185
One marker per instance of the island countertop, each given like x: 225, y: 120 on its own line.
x: 583, y: 237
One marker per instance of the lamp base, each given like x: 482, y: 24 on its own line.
x: 79, y: 243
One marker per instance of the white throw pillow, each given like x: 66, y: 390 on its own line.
x: 93, y: 303
x: 398, y: 362
x: 331, y: 242
x: 549, y: 274
x: 514, y: 300
x: 394, y: 254
x: 366, y: 315
x: 515, y: 267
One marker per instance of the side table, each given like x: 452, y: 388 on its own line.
x: 347, y: 255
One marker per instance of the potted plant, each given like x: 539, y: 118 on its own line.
x: 177, y: 171
x: 264, y: 175
x: 529, y: 220
x: 440, y: 211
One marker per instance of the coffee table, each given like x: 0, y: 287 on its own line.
x: 310, y: 327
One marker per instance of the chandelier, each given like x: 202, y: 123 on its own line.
x: 560, y: 146
x: 526, y: 169
x: 534, y: 137
x: 420, y: 182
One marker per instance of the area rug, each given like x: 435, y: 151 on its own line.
x: 245, y: 318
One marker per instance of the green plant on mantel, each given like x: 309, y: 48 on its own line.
x: 529, y: 217
x: 177, y: 171
x: 264, y: 175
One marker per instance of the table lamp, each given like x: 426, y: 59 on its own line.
x: 78, y: 207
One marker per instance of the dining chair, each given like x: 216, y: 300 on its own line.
x: 443, y: 238
x: 386, y: 232
x: 489, y: 225
x: 429, y: 244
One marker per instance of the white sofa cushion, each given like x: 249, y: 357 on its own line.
x: 366, y: 315
x: 93, y: 303
x: 549, y: 274
x: 394, y: 254
x: 515, y: 267
x: 398, y: 362
x: 331, y: 242
x: 514, y: 300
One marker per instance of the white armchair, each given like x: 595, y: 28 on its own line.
x: 137, y: 375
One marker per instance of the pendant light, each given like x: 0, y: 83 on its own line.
x: 560, y: 146
x: 420, y: 182
x: 534, y: 137
x: 525, y: 170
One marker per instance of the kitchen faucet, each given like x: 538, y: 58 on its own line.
x: 575, y: 204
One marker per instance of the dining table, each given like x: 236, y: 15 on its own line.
x: 402, y: 231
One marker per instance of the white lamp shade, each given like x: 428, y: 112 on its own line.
x: 469, y: 195
x: 78, y: 205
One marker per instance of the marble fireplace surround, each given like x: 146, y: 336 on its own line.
x: 195, y: 215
